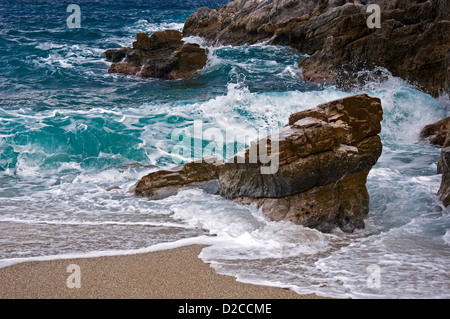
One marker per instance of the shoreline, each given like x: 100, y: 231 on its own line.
x: 176, y: 273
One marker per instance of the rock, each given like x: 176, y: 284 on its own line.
x: 112, y: 188
x: 165, y: 183
x: 323, y: 157
x: 412, y: 43
x: 436, y: 133
x: 117, y: 55
x: 344, y: 204
x: 318, y: 147
x: 444, y: 168
x: 162, y: 55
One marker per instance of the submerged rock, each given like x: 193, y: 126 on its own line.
x: 412, y: 43
x: 161, y: 55
x: 317, y: 171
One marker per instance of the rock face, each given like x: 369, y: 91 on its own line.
x: 444, y: 168
x: 162, y: 55
x: 438, y: 134
x: 323, y: 157
x: 413, y: 41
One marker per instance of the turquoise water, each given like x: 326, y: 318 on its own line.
x: 69, y: 130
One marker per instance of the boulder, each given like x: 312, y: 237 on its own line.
x: 161, y: 55
x: 321, y: 158
x: 413, y: 42
x: 436, y: 133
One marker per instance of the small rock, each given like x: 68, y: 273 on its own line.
x: 161, y: 55
x: 112, y: 188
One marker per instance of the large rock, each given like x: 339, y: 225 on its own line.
x: 413, y: 41
x: 162, y: 55
x: 322, y: 157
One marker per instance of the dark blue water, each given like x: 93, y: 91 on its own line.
x: 68, y: 130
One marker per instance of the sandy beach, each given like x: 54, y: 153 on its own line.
x: 169, y: 274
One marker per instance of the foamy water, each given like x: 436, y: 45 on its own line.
x: 69, y: 130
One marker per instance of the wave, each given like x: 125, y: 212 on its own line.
x: 103, y: 138
x: 202, y: 240
x: 57, y: 162
x: 93, y: 223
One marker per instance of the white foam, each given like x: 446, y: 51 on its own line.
x: 143, y: 25
x: 446, y: 237
x: 197, y: 40
x: 201, y: 240
x: 94, y: 223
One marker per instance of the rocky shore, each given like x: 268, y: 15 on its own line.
x: 413, y: 42
x: 323, y: 157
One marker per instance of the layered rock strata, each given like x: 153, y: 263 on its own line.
x: 438, y: 134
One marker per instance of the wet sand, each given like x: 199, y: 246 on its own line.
x: 168, y: 274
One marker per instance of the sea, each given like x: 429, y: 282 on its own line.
x: 74, y: 139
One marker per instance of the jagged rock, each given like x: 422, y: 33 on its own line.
x: 322, y: 157
x: 318, y: 147
x: 413, y: 41
x: 165, y: 183
x: 162, y: 55
x: 344, y: 204
x: 436, y: 133
x: 444, y: 168
x: 325, y: 155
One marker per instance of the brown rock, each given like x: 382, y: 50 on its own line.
x: 162, y: 55
x: 165, y: 183
x: 436, y: 133
x: 413, y: 41
x: 444, y: 168
x: 345, y: 203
